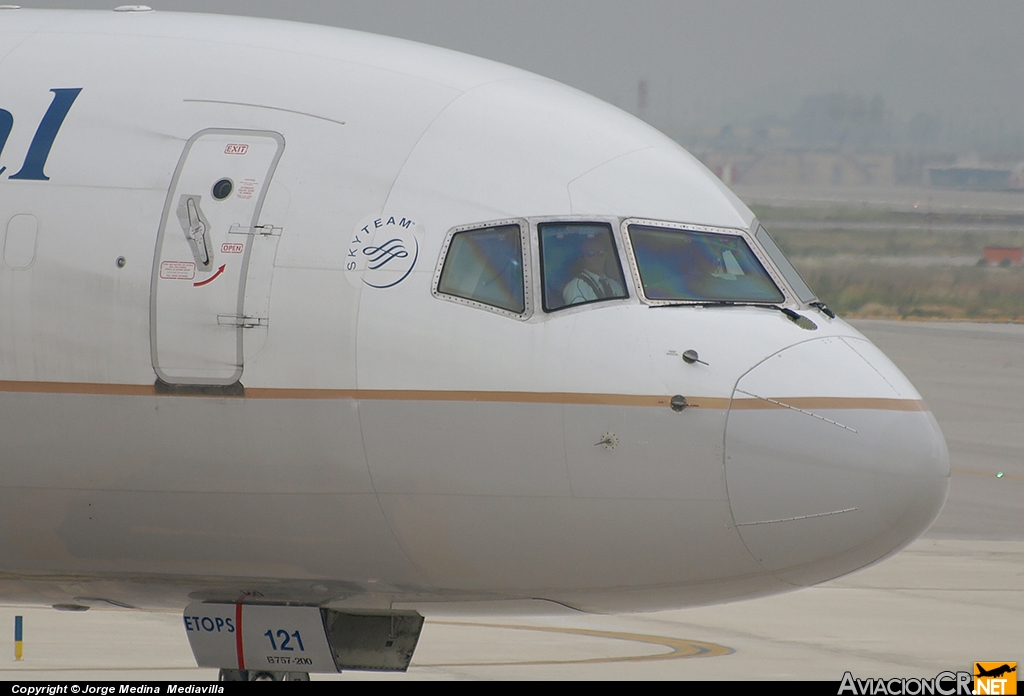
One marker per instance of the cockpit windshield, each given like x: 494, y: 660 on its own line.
x: 579, y: 264
x: 689, y: 266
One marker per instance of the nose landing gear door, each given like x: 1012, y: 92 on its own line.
x: 208, y: 252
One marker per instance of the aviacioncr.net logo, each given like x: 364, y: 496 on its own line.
x: 942, y: 684
x: 995, y: 678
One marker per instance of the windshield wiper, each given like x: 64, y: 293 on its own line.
x: 824, y: 309
x: 798, y: 319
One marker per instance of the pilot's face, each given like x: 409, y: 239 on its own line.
x: 594, y: 256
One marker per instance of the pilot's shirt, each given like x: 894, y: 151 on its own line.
x: 588, y: 286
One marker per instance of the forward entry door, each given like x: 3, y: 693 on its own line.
x: 204, y: 249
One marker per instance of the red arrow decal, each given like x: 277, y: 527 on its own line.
x: 211, y: 278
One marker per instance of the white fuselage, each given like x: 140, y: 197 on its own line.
x: 264, y: 409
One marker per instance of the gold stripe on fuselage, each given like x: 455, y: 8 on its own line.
x: 78, y: 388
x: 514, y: 397
x: 825, y: 403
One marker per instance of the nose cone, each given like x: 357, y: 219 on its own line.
x: 832, y: 460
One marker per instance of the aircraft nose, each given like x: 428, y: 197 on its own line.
x: 832, y: 460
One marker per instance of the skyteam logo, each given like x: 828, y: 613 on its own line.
x: 383, y: 251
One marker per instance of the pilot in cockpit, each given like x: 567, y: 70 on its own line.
x: 591, y: 280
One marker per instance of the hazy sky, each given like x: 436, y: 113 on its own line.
x: 709, y: 62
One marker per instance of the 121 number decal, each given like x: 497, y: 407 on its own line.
x: 285, y: 639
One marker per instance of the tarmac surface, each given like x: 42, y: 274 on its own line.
x: 953, y: 597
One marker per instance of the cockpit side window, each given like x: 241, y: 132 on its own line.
x: 803, y: 292
x: 690, y: 266
x: 579, y: 264
x: 486, y: 266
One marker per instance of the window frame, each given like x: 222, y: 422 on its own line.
x: 745, y: 235
x: 527, y: 272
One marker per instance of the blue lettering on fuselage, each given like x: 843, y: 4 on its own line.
x: 46, y: 133
x: 6, y: 123
x: 209, y: 624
